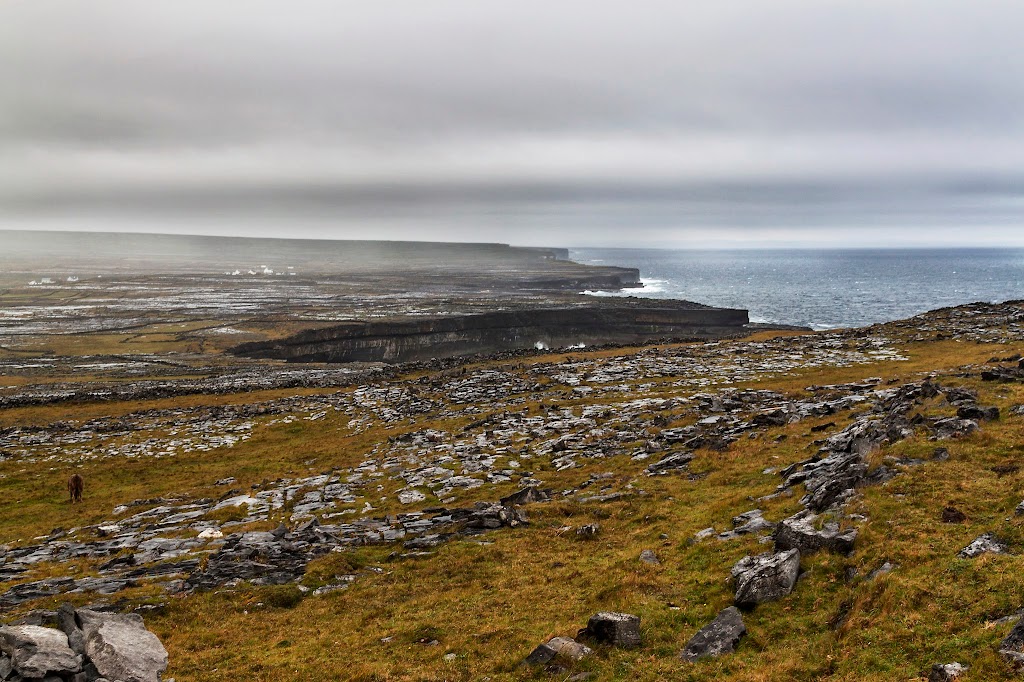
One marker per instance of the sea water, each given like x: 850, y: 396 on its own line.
x: 822, y: 289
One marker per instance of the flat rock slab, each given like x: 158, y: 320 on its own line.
x: 984, y: 544
x: 799, y: 532
x: 121, y: 647
x: 720, y: 636
x: 36, y: 651
x: 618, y: 629
x: 765, y: 577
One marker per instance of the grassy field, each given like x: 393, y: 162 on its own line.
x: 476, y: 607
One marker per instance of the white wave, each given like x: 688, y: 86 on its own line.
x: 650, y: 287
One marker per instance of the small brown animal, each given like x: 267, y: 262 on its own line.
x: 75, y: 485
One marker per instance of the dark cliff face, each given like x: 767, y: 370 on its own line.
x: 442, y: 337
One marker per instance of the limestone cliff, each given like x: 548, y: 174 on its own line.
x: 409, y: 340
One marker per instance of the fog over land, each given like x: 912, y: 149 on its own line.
x: 866, y: 123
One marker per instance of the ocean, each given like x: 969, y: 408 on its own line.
x: 822, y: 289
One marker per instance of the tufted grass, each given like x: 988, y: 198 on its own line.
x: 488, y: 601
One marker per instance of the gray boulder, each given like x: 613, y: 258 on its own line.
x: 765, y: 577
x: 648, y: 556
x: 672, y: 462
x: 984, y: 544
x: 978, y: 413
x: 36, y: 651
x: 121, y: 647
x: 527, y: 495
x: 798, y: 532
x: 752, y: 521
x: 564, y: 649
x: 946, y: 672
x: 618, y: 629
x: 720, y: 636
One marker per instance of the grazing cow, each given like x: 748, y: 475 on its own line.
x: 75, y: 485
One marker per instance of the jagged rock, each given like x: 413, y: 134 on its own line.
x: 68, y: 624
x: 1012, y: 647
x: 590, y: 530
x: 527, y: 495
x: 425, y: 541
x: 887, y: 567
x: 880, y: 475
x: 411, y: 496
x: 832, y: 480
x: 946, y: 672
x: 121, y: 647
x: 564, y: 648
x: 649, y: 557
x: 720, y: 636
x: 765, y: 577
x: 618, y: 629
x: 986, y: 543
x: 798, y: 532
x: 957, y: 396
x: 774, y: 417
x: 672, y: 462
x: 978, y: 413
x: 751, y: 522
x: 492, y: 516
x: 36, y: 651
x: 954, y: 427
x: 1005, y: 374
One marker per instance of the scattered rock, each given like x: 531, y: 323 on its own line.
x: 953, y: 515
x: 411, y: 497
x: 1012, y: 646
x: 946, y: 672
x: 527, y: 495
x: 798, y: 532
x: 673, y: 462
x: 984, y: 544
x: 618, y: 629
x: 887, y: 567
x: 590, y: 530
x: 953, y: 427
x: 1001, y: 470
x: 564, y: 648
x: 978, y: 413
x: 765, y: 577
x: 751, y: 522
x: 720, y: 636
x: 649, y: 557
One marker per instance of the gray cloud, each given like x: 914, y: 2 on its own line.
x: 545, y: 122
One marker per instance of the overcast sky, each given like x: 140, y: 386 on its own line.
x: 689, y: 124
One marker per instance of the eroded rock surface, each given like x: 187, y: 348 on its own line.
x: 720, y: 636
